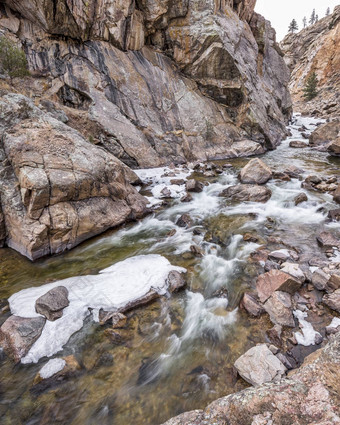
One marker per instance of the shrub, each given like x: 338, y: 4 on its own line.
x: 12, y: 59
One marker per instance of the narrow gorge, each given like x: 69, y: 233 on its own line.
x: 169, y: 215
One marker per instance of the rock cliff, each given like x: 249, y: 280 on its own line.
x: 316, y: 48
x: 165, y: 81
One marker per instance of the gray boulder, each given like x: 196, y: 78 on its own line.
x: 259, y: 365
x: 18, y: 334
x: 255, y: 172
x: 52, y: 304
x: 247, y: 192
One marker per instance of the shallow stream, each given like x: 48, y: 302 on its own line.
x: 177, y: 353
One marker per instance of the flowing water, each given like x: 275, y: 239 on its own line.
x: 177, y: 353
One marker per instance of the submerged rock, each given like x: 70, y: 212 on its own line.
x: 18, y: 334
x: 302, y: 197
x: 184, y: 221
x: 259, y: 365
x: 247, y: 192
x: 55, y: 371
x: 51, y: 304
x: 255, y: 172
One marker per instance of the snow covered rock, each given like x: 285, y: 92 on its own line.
x: 121, y: 287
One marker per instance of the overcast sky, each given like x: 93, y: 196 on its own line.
x: 281, y: 13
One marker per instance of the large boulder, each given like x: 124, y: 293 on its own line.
x: 325, y: 133
x: 247, y: 192
x: 18, y: 334
x: 275, y: 280
x: 259, y: 365
x: 57, y: 188
x: 52, y: 304
x: 255, y: 172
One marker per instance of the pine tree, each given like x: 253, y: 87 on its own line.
x: 310, y: 89
x: 316, y: 18
x: 328, y: 11
x: 12, y: 59
x: 312, y: 18
x: 293, y: 26
x: 304, y: 21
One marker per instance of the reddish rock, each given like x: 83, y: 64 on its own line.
x: 327, y: 239
x: 275, y: 280
x: 332, y: 300
x: 279, y: 308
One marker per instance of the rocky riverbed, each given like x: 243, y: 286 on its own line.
x: 259, y: 242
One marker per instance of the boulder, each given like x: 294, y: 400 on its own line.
x: 320, y: 279
x: 255, y: 172
x: 279, y: 308
x: 184, y: 221
x: 259, y: 365
x: 301, y: 197
x: 297, y: 144
x: 294, y: 270
x: 279, y: 255
x: 247, y: 192
x: 186, y: 198
x: 176, y: 281
x: 334, y: 147
x: 251, y: 305
x: 332, y: 300
x: 57, y: 189
x: 275, y: 280
x: 18, y: 334
x: 328, y: 240
x: 52, y: 304
x: 325, y: 133
x: 333, y: 283
x: 193, y: 185
x: 334, y: 215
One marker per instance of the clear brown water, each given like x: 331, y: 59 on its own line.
x: 177, y: 353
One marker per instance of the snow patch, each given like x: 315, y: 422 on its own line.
x: 308, y: 335
x: 52, y: 367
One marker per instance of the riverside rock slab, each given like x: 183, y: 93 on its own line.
x: 332, y: 300
x: 275, y: 280
x: 52, y: 304
x: 259, y: 365
x: 18, y: 334
x: 247, y: 192
x: 255, y: 172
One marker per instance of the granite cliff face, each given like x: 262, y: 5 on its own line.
x: 316, y: 48
x: 165, y: 81
x: 147, y: 82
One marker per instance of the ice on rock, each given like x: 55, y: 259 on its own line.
x: 52, y: 367
x: 112, y: 289
x: 308, y: 335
